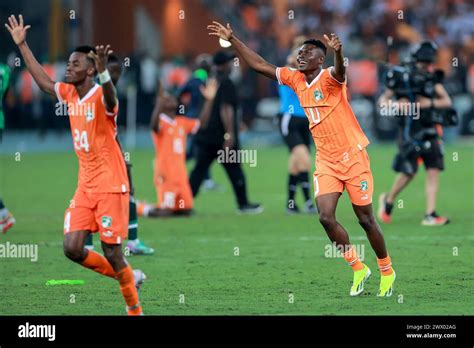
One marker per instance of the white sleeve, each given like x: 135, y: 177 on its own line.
x: 58, y: 95
x: 330, y: 74
x: 278, y: 76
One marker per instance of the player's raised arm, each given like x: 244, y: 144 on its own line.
x: 155, y: 116
x: 209, y: 93
x: 100, y: 58
x: 339, y: 71
x: 18, y: 33
x: 255, y: 61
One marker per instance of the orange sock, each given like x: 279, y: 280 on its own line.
x: 129, y: 291
x: 98, y: 263
x: 142, y: 209
x: 352, y: 259
x: 385, y: 266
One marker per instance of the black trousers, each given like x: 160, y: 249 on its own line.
x: 205, y: 156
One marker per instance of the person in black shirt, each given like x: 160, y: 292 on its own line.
x: 221, y: 132
x: 191, y: 97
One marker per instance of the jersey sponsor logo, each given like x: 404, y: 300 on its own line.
x: 106, y: 221
x: 364, y: 185
x: 318, y: 94
x: 107, y: 234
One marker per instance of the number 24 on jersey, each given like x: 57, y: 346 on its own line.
x: 80, y: 140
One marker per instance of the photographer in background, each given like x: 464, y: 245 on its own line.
x: 418, y: 86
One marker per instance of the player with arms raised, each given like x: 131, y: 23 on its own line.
x: 134, y: 245
x: 101, y: 199
x: 341, y: 160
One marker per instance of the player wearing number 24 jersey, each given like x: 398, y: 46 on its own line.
x: 102, y: 179
x: 342, y: 161
x: 93, y: 128
x: 102, y: 195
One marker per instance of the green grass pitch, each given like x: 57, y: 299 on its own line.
x: 281, y: 267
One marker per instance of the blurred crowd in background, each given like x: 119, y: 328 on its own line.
x: 373, y: 33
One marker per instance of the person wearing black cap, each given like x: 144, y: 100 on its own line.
x: 221, y: 132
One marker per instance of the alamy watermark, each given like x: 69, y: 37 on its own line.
x: 28, y: 330
x: 75, y: 109
x: 20, y: 251
x: 395, y: 109
x: 333, y: 251
x: 237, y: 156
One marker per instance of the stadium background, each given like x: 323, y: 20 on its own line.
x: 160, y: 40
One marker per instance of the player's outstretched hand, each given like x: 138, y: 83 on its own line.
x: 210, y: 89
x: 17, y: 31
x: 219, y: 30
x: 100, y: 57
x: 334, y: 42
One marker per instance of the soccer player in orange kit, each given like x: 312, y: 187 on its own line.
x: 341, y: 160
x: 134, y: 245
x: 169, y: 132
x: 101, y: 199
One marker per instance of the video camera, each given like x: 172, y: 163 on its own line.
x: 409, y: 81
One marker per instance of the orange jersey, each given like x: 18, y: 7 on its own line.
x: 333, y: 125
x: 170, y: 147
x: 101, y: 164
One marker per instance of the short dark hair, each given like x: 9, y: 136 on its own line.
x: 86, y: 49
x: 318, y: 43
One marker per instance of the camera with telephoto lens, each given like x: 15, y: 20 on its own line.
x: 409, y: 81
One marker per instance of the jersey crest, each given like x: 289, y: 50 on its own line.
x: 318, y: 94
x: 106, y: 221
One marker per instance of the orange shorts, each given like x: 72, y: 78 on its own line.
x: 174, y: 195
x: 106, y: 213
x: 354, y: 175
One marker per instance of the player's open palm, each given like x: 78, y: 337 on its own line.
x: 210, y: 89
x: 219, y: 30
x: 100, y: 57
x: 334, y: 42
x: 17, y: 30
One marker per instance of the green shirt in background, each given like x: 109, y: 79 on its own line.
x: 4, y: 82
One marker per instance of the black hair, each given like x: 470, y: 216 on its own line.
x: 86, y: 49
x: 114, y: 59
x: 318, y: 43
